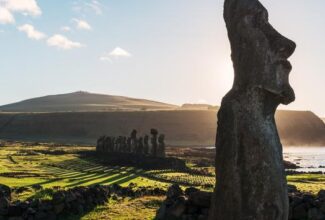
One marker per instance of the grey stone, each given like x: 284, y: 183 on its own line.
x: 190, y: 190
x: 250, y: 174
x: 4, y: 205
x: 322, y: 207
x: 200, y: 198
x: 162, y: 211
x: 16, y: 218
x: 41, y: 215
x: 300, y: 212
x: 321, y: 194
x: 178, y: 208
x: 315, y: 214
x: 174, y: 191
x: 58, y: 208
x: 5, y: 191
x: 292, y: 188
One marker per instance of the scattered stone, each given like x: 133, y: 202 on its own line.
x: 72, y: 201
x: 195, y: 204
x: 5, y: 191
x: 174, y: 192
x: 37, y: 187
x: 292, y: 188
x: 190, y: 190
x: 200, y: 198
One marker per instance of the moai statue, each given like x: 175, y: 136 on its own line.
x: 140, y: 146
x: 146, y: 145
x: 123, y: 145
x: 133, y: 141
x: 154, y: 134
x: 106, y: 144
x: 109, y: 144
x: 100, y: 144
x: 116, y: 144
x: 161, y: 146
x: 129, y: 146
x: 251, y: 182
x: 113, y: 144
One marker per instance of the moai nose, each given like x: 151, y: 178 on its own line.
x: 285, y: 47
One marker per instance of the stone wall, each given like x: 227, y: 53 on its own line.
x: 193, y: 204
x: 77, y: 201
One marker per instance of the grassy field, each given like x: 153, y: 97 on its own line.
x: 61, y: 167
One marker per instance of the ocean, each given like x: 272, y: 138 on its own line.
x: 310, y: 159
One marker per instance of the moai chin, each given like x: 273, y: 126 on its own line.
x: 250, y: 175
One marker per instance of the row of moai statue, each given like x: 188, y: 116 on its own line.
x: 134, y: 144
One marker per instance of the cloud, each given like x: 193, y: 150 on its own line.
x: 6, y: 16
x: 105, y: 58
x: 31, y: 32
x: 119, y: 52
x: 116, y: 53
x: 95, y: 6
x: 28, y: 7
x: 83, y: 6
x: 66, y: 28
x: 62, y: 42
x: 81, y: 24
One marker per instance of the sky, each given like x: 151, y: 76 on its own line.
x: 174, y: 51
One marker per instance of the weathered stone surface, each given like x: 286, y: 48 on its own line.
x: 321, y: 194
x: 4, y: 205
x: 5, y: 191
x: 250, y: 174
x: 315, y: 214
x: 161, y: 146
x: 72, y: 201
x: 174, y: 192
x: 154, y: 144
x: 195, y: 204
x: 200, y: 198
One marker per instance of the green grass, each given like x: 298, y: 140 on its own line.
x: 124, y: 209
x: 308, y: 182
x: 22, y: 166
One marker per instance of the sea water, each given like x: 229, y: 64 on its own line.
x: 310, y: 159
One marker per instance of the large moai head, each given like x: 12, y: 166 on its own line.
x: 259, y: 52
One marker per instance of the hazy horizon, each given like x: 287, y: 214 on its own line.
x: 172, y: 51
